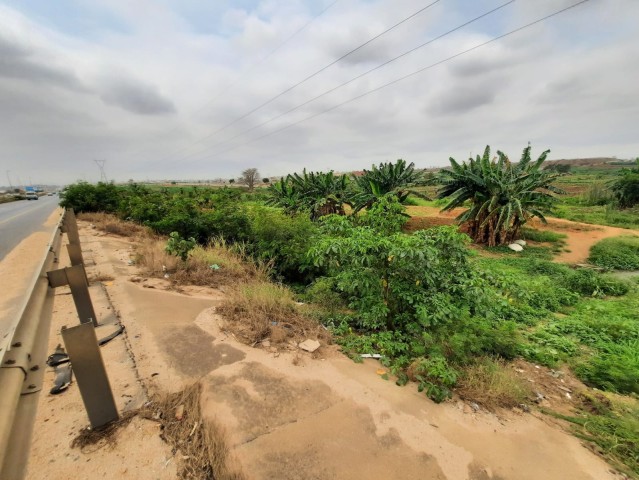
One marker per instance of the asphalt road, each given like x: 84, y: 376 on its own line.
x: 20, y: 219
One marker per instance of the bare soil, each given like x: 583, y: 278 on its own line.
x: 580, y: 236
x: 287, y: 414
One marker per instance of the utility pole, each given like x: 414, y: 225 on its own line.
x: 100, y: 164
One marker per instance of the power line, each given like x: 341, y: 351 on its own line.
x: 230, y: 86
x: 292, y: 87
x: 397, y: 80
x: 354, y: 78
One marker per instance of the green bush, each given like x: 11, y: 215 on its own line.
x: 85, y: 197
x: 617, y: 253
x: 283, y: 240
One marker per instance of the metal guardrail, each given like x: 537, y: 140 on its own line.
x: 23, y: 351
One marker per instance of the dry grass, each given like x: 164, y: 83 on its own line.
x: 261, y: 310
x: 202, y: 446
x: 111, y: 224
x: 492, y: 384
x: 214, y: 265
x: 101, y: 277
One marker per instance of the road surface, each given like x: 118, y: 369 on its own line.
x: 20, y: 219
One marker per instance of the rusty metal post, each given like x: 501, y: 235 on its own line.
x: 70, y: 227
x: 81, y: 344
x: 76, y: 278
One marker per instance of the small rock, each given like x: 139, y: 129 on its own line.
x: 179, y: 412
x: 539, y: 397
x: 266, y: 343
x: 474, y: 406
x: 524, y: 407
x: 521, y: 243
x: 309, y: 345
x: 516, y: 247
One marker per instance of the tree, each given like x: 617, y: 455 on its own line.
x: 503, y: 196
x: 232, y: 180
x: 396, y: 178
x: 250, y: 177
x: 626, y: 187
x: 266, y: 180
x: 318, y: 193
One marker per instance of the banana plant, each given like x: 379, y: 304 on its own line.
x: 388, y: 178
x: 502, y: 195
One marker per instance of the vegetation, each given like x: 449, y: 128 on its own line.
x: 503, y: 195
x: 626, y: 187
x: 387, y: 178
x: 616, y: 253
x: 250, y: 177
x: 315, y: 193
x: 439, y: 314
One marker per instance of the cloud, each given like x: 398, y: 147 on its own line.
x: 163, y: 97
x: 20, y: 62
x: 135, y: 97
x: 462, y: 99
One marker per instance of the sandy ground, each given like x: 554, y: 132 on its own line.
x: 287, y: 415
x: 581, y: 236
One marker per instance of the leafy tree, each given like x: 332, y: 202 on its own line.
x: 250, y: 177
x: 503, y: 195
x: 318, y: 193
x: 396, y: 178
x: 85, y: 197
x: 626, y: 187
x: 266, y: 180
x: 232, y: 180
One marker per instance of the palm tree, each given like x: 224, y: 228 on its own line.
x: 503, y: 196
x: 394, y: 178
x: 318, y: 193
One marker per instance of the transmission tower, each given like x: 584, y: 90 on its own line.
x: 100, y: 164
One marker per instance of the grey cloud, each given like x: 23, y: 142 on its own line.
x: 462, y: 99
x: 136, y: 97
x: 19, y: 62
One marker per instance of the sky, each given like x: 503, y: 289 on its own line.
x: 195, y: 89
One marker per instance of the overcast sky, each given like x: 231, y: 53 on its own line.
x: 156, y: 88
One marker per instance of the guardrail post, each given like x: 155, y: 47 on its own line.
x: 70, y: 227
x: 76, y: 278
x: 81, y: 344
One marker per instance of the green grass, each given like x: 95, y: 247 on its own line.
x: 543, y: 236
x: 571, y: 209
x: 617, y: 253
x: 611, y: 425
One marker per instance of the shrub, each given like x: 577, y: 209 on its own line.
x: 282, y: 240
x: 617, y: 253
x: 492, y: 383
x: 85, y: 197
x: 179, y: 247
x: 261, y: 310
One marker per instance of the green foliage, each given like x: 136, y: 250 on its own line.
x: 616, y: 253
x: 317, y: 193
x: 85, y: 197
x: 282, y: 240
x: 612, y: 425
x: 386, y: 216
x: 436, y: 377
x: 598, y: 215
x: 503, y: 196
x: 543, y: 236
x: 179, y: 246
x: 388, y: 178
x: 626, y: 187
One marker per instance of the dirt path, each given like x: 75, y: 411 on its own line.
x: 580, y: 236
x: 290, y: 416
